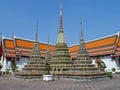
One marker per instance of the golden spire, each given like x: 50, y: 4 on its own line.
x: 61, y: 38
x: 37, y: 31
x: 81, y: 32
x: 61, y: 25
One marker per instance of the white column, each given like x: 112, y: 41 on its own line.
x: 4, y: 65
x: 1, y: 60
x: 117, y: 62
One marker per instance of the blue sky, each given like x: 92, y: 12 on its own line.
x: 100, y: 18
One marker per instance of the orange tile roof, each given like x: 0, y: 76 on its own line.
x: 100, y: 53
x: 95, y: 44
x: 10, y: 51
x: 24, y: 47
x: 74, y: 48
x: 101, y: 42
x: 111, y: 47
x: 97, y: 51
x: 10, y: 55
x: 9, y: 43
x: 98, y: 46
x: 45, y: 47
x: 24, y: 43
x: 30, y: 44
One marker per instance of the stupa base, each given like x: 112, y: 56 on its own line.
x: 22, y: 75
x: 82, y: 76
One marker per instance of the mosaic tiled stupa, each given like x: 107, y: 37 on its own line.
x: 35, y: 66
x: 61, y: 59
x: 82, y: 66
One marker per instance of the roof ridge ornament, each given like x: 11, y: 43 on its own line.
x: 12, y: 35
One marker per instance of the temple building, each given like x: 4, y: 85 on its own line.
x: 18, y: 50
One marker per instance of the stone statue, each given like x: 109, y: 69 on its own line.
x: 100, y: 64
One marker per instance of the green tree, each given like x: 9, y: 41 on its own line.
x: 109, y: 74
x: 113, y: 69
x: 47, y: 68
x: 0, y: 68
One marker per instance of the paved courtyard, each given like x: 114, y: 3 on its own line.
x: 9, y: 83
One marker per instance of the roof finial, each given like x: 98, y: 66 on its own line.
x: 61, y: 26
x: 12, y: 35
x: 37, y: 31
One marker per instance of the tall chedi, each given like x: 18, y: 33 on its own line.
x: 61, y: 59
x: 35, y: 65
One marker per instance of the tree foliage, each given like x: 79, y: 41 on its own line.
x: 13, y: 67
x: 47, y: 68
x: 0, y: 66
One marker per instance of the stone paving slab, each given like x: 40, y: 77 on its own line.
x: 9, y: 83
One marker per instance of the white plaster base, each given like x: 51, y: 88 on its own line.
x: 47, y: 77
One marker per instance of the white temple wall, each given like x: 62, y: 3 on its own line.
x: 21, y: 62
x: 109, y: 63
x: 1, y: 60
x: 8, y: 66
x: 117, y: 61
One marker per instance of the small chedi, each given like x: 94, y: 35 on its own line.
x: 82, y: 65
x: 35, y: 66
